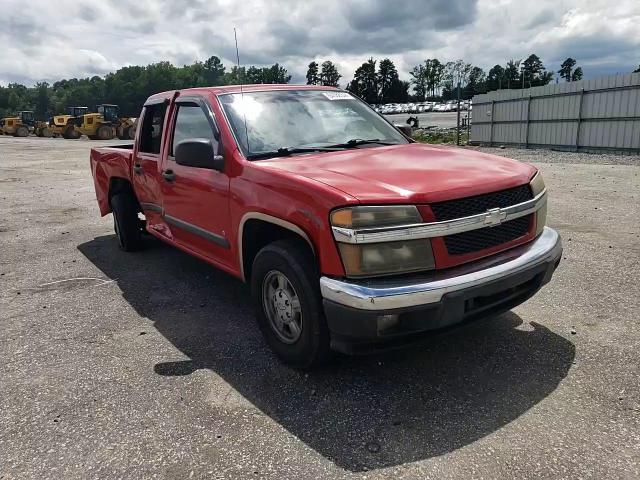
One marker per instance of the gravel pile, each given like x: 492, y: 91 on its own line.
x: 554, y: 156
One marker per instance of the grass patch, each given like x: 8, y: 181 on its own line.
x: 440, y: 136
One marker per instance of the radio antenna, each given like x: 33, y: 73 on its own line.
x: 244, y: 114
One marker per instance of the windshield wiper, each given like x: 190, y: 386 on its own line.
x: 286, y: 151
x: 356, y: 142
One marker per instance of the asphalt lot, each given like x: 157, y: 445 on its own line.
x: 150, y: 365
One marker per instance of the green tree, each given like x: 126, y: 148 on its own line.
x: 213, y: 71
x: 512, y: 74
x: 419, y: 82
x: 534, y: 72
x: 476, y: 83
x: 237, y: 76
x: 329, y: 75
x: 434, y: 71
x: 399, y: 91
x: 637, y: 70
x: 387, y: 79
x: 42, y: 100
x: 455, y: 73
x: 276, y: 74
x: 566, y: 68
x: 576, y: 75
x: 495, y: 78
x: 312, y: 74
x: 365, y: 82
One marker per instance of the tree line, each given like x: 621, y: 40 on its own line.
x: 378, y: 82
x: 375, y: 81
x: 129, y: 87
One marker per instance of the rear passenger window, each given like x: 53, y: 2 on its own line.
x: 151, y: 131
x: 191, y: 122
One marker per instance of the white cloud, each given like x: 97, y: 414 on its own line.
x: 53, y: 40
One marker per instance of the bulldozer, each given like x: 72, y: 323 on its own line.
x: 105, y: 124
x: 20, y: 125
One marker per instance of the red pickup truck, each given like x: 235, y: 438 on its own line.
x: 352, y: 236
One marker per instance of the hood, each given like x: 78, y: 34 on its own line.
x: 412, y: 173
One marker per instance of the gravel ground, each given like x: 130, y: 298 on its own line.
x: 149, y: 365
x: 548, y: 156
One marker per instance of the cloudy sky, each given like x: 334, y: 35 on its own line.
x: 51, y: 40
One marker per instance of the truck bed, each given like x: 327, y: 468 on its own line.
x: 108, y: 163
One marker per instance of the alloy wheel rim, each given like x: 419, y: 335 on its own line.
x: 282, y: 307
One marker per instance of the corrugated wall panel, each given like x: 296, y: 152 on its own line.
x: 552, y: 133
x: 616, y: 98
x: 480, y: 133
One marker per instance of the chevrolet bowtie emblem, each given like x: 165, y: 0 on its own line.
x: 494, y: 216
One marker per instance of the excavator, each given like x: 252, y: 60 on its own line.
x: 20, y: 125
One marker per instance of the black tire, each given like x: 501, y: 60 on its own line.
x: 71, y: 134
x: 131, y: 132
x: 293, y: 259
x: 46, y: 133
x: 22, y: 131
x: 104, y: 132
x: 125, y: 221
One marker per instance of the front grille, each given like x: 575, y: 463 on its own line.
x: 475, y: 240
x: 468, y: 206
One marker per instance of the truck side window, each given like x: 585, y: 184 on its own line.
x: 191, y: 122
x: 151, y: 131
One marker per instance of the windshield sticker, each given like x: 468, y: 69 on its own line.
x: 337, y: 95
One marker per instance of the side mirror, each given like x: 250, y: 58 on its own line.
x: 198, y: 152
x: 405, y: 129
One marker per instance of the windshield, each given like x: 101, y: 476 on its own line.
x: 303, y: 119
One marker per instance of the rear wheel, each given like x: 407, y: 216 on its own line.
x: 125, y: 222
x: 46, y: 132
x: 288, y: 305
x: 104, y: 132
x: 131, y: 132
x: 22, y: 131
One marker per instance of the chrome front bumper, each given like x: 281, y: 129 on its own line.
x: 382, y: 294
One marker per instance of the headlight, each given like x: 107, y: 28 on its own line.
x: 537, y: 187
x: 385, y: 258
x: 375, y: 217
x: 537, y: 184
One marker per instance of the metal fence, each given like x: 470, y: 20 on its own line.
x: 589, y: 115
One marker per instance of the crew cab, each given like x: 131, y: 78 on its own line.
x: 352, y: 236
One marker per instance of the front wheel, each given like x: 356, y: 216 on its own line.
x: 104, y: 132
x: 22, y: 131
x: 71, y: 134
x: 286, y: 297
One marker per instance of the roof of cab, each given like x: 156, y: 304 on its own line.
x: 219, y: 90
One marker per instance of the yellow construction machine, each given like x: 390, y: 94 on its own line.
x: 20, y: 125
x: 105, y: 124
x: 42, y: 129
x: 61, y: 125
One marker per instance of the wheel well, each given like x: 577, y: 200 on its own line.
x: 120, y: 185
x: 257, y: 234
